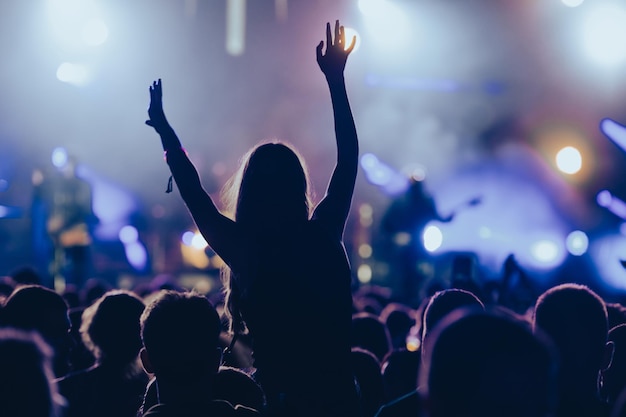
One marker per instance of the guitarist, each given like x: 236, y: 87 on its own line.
x: 70, y: 219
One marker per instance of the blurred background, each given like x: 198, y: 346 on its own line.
x: 504, y: 112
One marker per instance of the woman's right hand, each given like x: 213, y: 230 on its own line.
x: 333, y: 62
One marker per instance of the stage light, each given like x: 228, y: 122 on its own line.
x: 59, y: 157
x: 569, y: 160
x: 572, y: 3
x: 485, y: 232
x: 187, y: 238
x: 128, y: 234
x: 613, y: 204
x: 198, y: 241
x: 577, y: 243
x: 378, y: 173
x: 389, y: 25
x: 604, y: 33
x: 365, y: 251
x: 364, y: 274
x: 350, y: 33
x: 432, y: 238
x: 615, y: 131
x: 608, y: 252
x: 372, y: 7
x: 235, y: 26
x: 95, y: 32
x: 545, y: 252
x: 75, y: 74
x: 604, y: 198
x: 136, y: 255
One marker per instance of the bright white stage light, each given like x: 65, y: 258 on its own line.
x: 137, y: 255
x: 604, y: 198
x: 388, y: 23
x: 545, y: 252
x: 572, y: 3
x: 198, y: 241
x: 577, y: 243
x: 372, y: 7
x: 350, y: 33
x: 128, y: 234
x: 59, y: 157
x: 569, y: 160
x: 187, y: 238
x: 75, y: 74
x: 432, y: 238
x: 95, y: 32
x: 604, y: 32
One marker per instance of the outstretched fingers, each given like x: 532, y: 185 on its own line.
x: 318, y: 50
x: 329, y: 36
x: 352, y: 45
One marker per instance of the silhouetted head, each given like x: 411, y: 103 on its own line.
x: 613, y: 379
x: 272, y: 186
x: 399, y: 319
x: 180, y: 333
x: 445, y: 302
x: 37, y: 308
x: 370, y: 333
x: 366, y: 371
x: 26, y: 275
x: 575, y: 318
x: 399, y: 370
x: 480, y: 364
x: 110, y: 327
x: 26, y: 389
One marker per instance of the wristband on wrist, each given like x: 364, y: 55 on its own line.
x: 170, y: 182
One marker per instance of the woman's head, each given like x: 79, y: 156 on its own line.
x: 272, y: 185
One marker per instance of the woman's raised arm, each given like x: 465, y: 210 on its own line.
x: 335, y: 206
x: 218, y: 230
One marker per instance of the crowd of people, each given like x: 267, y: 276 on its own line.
x: 290, y: 337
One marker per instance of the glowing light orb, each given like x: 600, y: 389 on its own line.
x: 577, y: 243
x: 187, y: 238
x: 128, y: 234
x: 364, y: 274
x: 59, y: 157
x: 95, y: 32
x: 75, y: 74
x: 136, y: 255
x: 372, y: 7
x: 615, y: 131
x: 198, y: 241
x: 545, y: 251
x: 604, y: 198
x: 432, y: 238
x: 365, y: 251
x: 350, y: 33
x: 603, y: 35
x: 569, y: 160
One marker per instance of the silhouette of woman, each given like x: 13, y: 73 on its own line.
x: 288, y: 281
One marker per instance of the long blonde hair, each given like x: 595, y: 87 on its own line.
x: 271, y: 187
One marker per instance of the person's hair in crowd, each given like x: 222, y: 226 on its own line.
x: 33, y: 307
x: 26, y: 378
x: 370, y: 333
x: 487, y: 364
x: 575, y: 318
